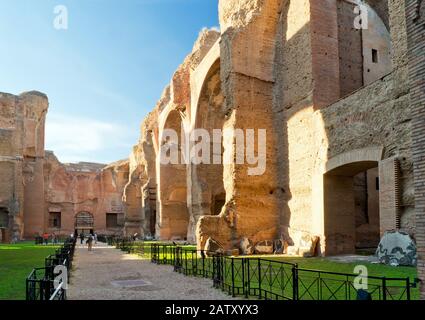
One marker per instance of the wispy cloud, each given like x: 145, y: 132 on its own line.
x: 76, y: 139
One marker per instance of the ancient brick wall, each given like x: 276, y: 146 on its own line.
x: 415, y: 16
x: 21, y: 155
x: 85, y: 187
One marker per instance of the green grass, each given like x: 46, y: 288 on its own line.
x: 312, y: 285
x: 16, y: 263
x: 378, y: 270
x: 333, y: 283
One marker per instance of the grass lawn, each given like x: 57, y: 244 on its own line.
x: 334, y: 282
x: 16, y: 263
x: 276, y: 278
x: 378, y: 270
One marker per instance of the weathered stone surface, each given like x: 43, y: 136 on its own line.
x: 213, y: 247
x: 334, y: 111
x: 302, y: 244
x: 85, y: 187
x: 233, y: 252
x: 22, y: 121
x: 397, y: 248
x: 246, y: 246
x: 264, y: 247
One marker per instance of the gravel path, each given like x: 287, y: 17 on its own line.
x: 109, y: 274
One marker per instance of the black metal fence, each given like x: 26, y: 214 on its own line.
x: 270, y: 279
x: 40, y: 284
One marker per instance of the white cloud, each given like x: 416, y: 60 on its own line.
x: 76, y: 139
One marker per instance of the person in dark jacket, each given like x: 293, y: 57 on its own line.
x: 82, y: 238
x: 90, y: 241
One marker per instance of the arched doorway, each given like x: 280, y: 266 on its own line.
x: 84, y: 222
x: 351, y: 207
x: 4, y: 225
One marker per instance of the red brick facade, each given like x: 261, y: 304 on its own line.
x: 416, y: 41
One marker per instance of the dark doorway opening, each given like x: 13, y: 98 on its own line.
x: 352, y: 221
x: 152, y: 222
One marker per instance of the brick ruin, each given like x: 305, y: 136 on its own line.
x: 38, y: 193
x: 344, y: 114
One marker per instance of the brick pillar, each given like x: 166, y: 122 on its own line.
x: 415, y: 16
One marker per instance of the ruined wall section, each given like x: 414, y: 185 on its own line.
x: 307, y: 79
x: 173, y: 180
x: 84, y: 187
x: 293, y: 106
x: 35, y: 106
x: 247, y: 54
x: 21, y: 154
x: 140, y: 191
x: 415, y: 16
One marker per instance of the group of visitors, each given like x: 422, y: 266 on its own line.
x: 92, y: 237
x: 45, y: 238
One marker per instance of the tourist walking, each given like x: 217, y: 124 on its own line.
x: 54, y: 238
x: 46, y: 238
x: 95, y: 238
x: 82, y: 238
x: 89, y: 242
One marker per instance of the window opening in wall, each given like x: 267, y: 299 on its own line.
x: 54, y: 220
x: 111, y: 220
x: 375, y: 56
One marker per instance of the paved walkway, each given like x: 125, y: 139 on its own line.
x: 109, y: 274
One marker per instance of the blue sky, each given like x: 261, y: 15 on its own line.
x: 103, y: 74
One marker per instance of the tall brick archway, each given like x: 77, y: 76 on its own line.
x: 172, y: 188
x: 207, y: 193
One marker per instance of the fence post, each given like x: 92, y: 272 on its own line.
x: 295, y: 282
x: 233, y: 277
x: 203, y: 263
x: 384, y: 289
x: 248, y: 279
x: 408, y: 288
x: 185, y: 262
x: 243, y: 277
x: 259, y: 278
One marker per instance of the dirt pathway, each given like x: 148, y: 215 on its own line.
x: 107, y: 273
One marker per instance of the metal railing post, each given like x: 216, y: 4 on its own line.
x: 295, y: 295
x: 248, y: 280
x: 185, y: 262
x: 259, y: 279
x: 243, y: 277
x: 408, y: 288
x: 384, y: 289
x: 233, y: 277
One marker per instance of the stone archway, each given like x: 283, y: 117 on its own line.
x: 207, y: 193
x: 84, y: 221
x: 172, y: 187
x: 351, y: 201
